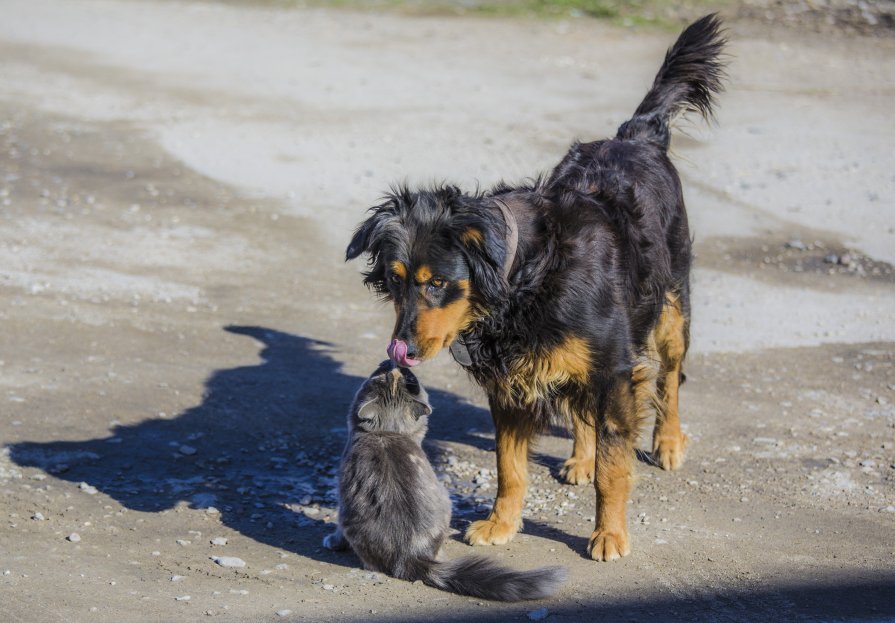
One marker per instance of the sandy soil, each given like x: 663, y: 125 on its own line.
x: 181, y: 338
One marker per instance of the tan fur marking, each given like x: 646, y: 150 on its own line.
x: 437, y: 327
x: 512, y: 481
x: 472, y: 235
x: 423, y: 274
x: 613, y: 481
x: 668, y: 440
x: 579, y: 468
x: 539, y: 373
x: 399, y: 269
x: 610, y: 539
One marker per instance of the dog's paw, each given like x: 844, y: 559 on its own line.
x: 491, y: 532
x: 606, y: 546
x: 335, y: 542
x: 577, y: 471
x: 668, y: 450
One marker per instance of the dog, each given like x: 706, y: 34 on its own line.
x: 564, y: 298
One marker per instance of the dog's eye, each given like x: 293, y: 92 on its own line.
x: 437, y: 283
x: 395, y: 279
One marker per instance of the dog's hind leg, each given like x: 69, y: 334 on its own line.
x: 579, y: 468
x: 513, y: 437
x: 671, y: 342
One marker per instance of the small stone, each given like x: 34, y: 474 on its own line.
x: 38, y: 517
x: 176, y: 578
x: 229, y: 561
x: 284, y: 612
x: 538, y: 615
x: 219, y: 540
x: 867, y: 463
x: 156, y: 553
x: 187, y: 450
x: 183, y: 542
x: 74, y: 537
x: 88, y: 489
x: 832, y: 258
x: 183, y: 598
x: 329, y: 587
x: 796, y: 244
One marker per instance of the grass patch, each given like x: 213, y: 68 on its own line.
x: 662, y: 13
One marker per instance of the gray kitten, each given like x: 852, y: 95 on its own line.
x: 395, y: 514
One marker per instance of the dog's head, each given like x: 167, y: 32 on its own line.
x: 437, y: 256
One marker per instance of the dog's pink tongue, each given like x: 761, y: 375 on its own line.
x: 397, y: 352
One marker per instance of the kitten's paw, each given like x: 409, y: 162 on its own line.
x: 668, y: 450
x: 491, y: 532
x: 576, y: 471
x: 335, y: 542
x: 606, y: 545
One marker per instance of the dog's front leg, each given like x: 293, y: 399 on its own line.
x: 513, y: 436
x: 616, y: 434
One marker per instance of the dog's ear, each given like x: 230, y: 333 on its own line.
x: 482, y: 235
x: 360, y: 241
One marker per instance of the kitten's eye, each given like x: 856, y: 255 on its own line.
x: 437, y: 283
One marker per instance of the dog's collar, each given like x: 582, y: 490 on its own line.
x: 458, y: 347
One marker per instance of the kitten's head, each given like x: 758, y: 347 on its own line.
x: 392, y: 399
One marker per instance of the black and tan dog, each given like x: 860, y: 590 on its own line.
x: 566, y: 298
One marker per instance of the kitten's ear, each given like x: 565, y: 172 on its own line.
x: 368, y: 410
x: 420, y: 406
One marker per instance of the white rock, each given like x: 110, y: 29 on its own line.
x: 284, y: 613
x: 88, y: 489
x: 176, y: 578
x: 229, y: 561
x: 74, y: 537
x: 183, y: 598
x: 219, y: 540
x: 38, y: 517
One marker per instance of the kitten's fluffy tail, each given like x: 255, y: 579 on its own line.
x: 479, y: 577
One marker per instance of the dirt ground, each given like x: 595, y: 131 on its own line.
x: 181, y: 338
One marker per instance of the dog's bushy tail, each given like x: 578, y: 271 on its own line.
x: 691, y: 76
x: 479, y: 577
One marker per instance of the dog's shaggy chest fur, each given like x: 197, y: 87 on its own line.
x: 572, y: 300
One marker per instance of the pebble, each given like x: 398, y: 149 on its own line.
x: 183, y: 542
x: 176, y: 578
x: 183, y: 598
x: 74, y: 537
x: 229, y: 561
x: 796, y: 244
x: 284, y: 613
x: 219, y: 540
x: 538, y: 615
x: 329, y: 587
x: 88, y: 489
x: 38, y: 517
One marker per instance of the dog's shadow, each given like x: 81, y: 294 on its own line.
x: 261, y: 451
